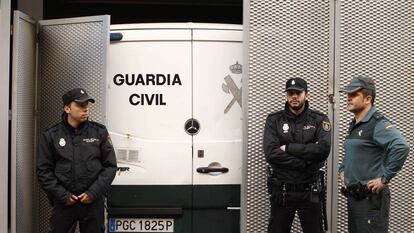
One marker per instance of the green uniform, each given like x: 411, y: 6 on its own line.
x: 373, y: 148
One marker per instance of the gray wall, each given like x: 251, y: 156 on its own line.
x: 283, y: 39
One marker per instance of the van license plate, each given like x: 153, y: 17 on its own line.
x: 141, y: 225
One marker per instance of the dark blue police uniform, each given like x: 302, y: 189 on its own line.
x: 308, y: 140
x: 73, y: 161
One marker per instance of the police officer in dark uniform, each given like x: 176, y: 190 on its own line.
x: 76, y: 165
x: 296, y: 143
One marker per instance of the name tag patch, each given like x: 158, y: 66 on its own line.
x: 90, y: 140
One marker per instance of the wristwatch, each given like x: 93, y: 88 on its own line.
x: 384, y: 180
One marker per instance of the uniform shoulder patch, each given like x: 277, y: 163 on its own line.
x: 108, y: 138
x: 389, y: 126
x: 326, y: 125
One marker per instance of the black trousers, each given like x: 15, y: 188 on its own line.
x: 90, y: 218
x: 283, y: 212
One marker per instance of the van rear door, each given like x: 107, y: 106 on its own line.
x: 149, y: 99
x: 217, y: 57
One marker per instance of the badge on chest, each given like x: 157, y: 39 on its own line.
x: 285, y: 128
x: 62, y: 142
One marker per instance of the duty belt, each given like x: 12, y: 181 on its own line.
x: 290, y: 187
x: 356, y: 191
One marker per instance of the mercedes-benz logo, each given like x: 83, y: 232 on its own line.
x: 192, y: 126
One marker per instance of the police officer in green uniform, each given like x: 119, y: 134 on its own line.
x: 75, y: 166
x: 374, y: 152
x: 296, y: 143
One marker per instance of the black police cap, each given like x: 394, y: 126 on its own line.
x: 296, y: 84
x: 77, y: 95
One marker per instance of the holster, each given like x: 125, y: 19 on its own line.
x: 269, y: 176
x: 356, y: 191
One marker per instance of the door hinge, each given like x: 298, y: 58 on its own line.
x: 11, y: 30
x: 331, y: 98
x: 10, y: 114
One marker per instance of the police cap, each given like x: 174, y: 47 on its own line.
x: 357, y: 83
x: 296, y: 84
x: 78, y: 95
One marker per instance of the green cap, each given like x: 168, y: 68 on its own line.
x: 357, y: 83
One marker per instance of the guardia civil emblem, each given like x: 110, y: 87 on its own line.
x: 62, y: 142
x: 285, y: 128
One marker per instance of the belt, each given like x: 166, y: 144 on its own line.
x: 357, y: 191
x: 294, y: 187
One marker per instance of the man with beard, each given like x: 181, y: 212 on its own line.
x: 296, y: 143
x: 374, y: 152
x: 75, y: 166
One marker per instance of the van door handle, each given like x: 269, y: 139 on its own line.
x: 212, y: 169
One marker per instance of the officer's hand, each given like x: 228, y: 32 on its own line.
x: 72, y: 200
x: 375, y: 185
x: 283, y: 147
x: 85, y: 199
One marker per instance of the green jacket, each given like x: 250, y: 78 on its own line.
x: 373, y: 148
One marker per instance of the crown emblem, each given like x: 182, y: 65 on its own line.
x: 236, y: 68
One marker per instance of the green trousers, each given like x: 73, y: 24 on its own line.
x: 370, y: 214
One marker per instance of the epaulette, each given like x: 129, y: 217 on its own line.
x: 52, y: 128
x: 99, y: 125
x: 277, y: 113
x: 318, y: 114
x: 378, y: 116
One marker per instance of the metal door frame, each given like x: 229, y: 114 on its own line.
x: 21, y: 164
x: 5, y: 8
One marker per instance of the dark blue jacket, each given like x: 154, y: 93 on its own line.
x: 75, y: 161
x: 308, y: 142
